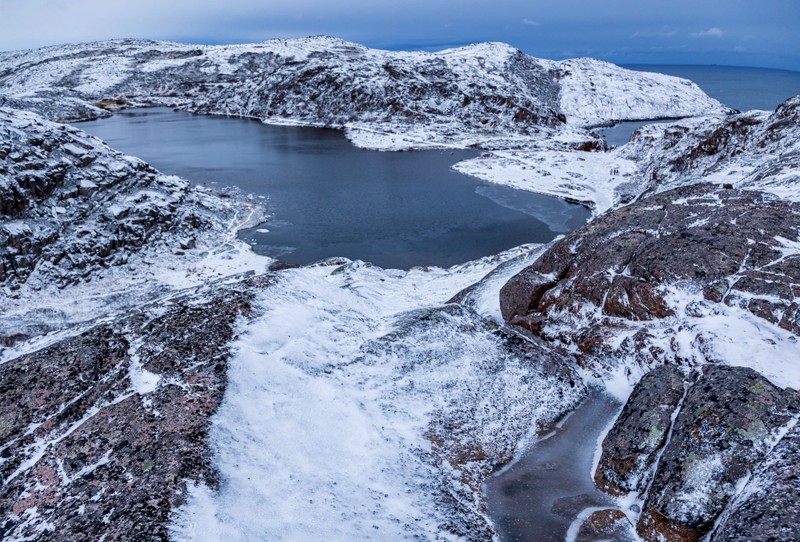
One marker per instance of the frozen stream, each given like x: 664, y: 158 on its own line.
x: 537, y: 498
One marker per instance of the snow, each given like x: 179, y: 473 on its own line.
x: 142, y: 381
x: 32, y: 518
x: 594, y: 92
x: 331, y: 394
x: 16, y: 228
x: 74, y: 150
x: 734, y: 336
x: 701, y: 475
x: 585, y: 177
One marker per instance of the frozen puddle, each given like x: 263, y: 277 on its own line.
x: 539, y: 496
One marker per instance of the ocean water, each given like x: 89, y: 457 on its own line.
x: 739, y: 88
x: 328, y: 198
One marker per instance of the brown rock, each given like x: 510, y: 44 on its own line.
x: 604, y: 525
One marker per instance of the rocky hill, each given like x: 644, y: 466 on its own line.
x: 754, y: 150
x: 488, y: 94
x: 74, y: 212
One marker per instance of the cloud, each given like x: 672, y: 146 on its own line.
x: 657, y: 34
x: 529, y: 22
x: 713, y: 32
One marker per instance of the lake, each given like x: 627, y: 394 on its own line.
x: 328, y: 198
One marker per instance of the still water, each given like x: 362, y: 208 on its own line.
x: 739, y: 88
x: 328, y: 198
x: 539, y: 496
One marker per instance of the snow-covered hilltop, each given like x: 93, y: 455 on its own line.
x: 594, y: 92
x: 486, y: 95
x: 75, y: 213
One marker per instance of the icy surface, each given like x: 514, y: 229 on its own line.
x: 592, y: 178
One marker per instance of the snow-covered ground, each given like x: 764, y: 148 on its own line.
x: 594, y: 92
x: 328, y: 427
x: 592, y: 178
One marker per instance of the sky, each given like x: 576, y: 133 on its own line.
x: 761, y: 33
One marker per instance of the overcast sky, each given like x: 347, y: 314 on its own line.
x: 763, y: 33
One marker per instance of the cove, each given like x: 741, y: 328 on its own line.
x: 327, y: 198
x: 621, y: 132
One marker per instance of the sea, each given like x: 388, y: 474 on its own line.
x: 739, y: 88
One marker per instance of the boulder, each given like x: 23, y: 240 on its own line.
x: 602, y: 525
x: 632, y: 444
x: 728, y: 420
x: 768, y: 508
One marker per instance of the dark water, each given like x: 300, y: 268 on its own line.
x: 539, y: 496
x: 620, y: 133
x: 739, y: 88
x: 328, y: 198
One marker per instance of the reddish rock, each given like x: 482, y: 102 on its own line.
x: 620, y: 264
x: 605, y: 525
x: 85, y: 453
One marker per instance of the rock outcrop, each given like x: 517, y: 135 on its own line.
x: 100, y: 432
x: 768, y: 508
x: 738, y: 247
x: 689, y: 456
x: 631, y: 447
x: 609, y: 524
x: 755, y: 150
